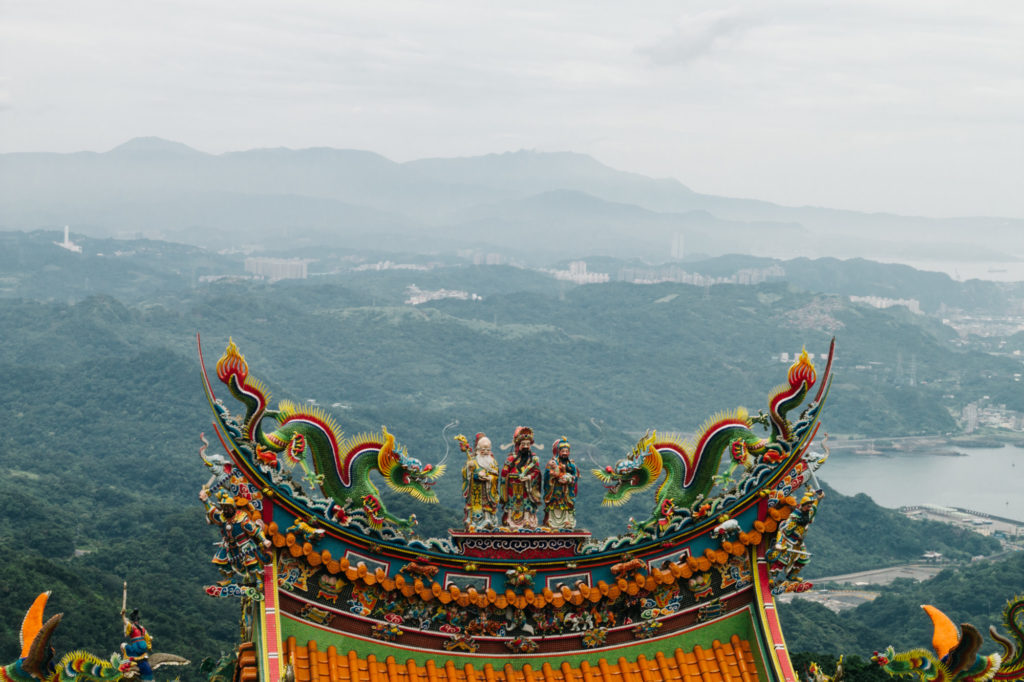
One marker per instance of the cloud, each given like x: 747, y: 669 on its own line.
x: 698, y: 35
x: 742, y: 97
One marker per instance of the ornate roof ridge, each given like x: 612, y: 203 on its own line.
x: 429, y: 590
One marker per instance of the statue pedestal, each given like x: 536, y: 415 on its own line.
x: 515, y: 546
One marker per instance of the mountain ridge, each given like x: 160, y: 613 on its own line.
x: 47, y: 190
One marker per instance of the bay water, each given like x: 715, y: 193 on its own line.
x: 989, y: 480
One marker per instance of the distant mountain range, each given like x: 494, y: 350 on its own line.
x: 539, y: 207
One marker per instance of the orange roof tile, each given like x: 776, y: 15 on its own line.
x: 248, y: 670
x: 729, y: 662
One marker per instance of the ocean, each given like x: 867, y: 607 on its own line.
x: 989, y: 480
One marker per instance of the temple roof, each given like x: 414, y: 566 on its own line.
x: 732, y: 661
x: 428, y: 590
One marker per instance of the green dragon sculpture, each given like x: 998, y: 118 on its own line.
x: 343, y: 467
x: 691, y: 467
x: 1013, y: 649
x: 36, y: 660
x: 927, y: 667
x: 955, y: 657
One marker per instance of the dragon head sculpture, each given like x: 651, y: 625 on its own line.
x: 691, y: 466
x: 633, y: 474
x: 406, y: 474
x: 342, y: 467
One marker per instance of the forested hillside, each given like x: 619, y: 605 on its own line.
x: 973, y: 594
x: 859, y: 535
x: 104, y: 407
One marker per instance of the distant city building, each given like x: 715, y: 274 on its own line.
x: 977, y: 415
x: 67, y: 243
x: 678, y: 251
x: 676, y: 274
x: 984, y: 325
x: 277, y: 268
x: 418, y: 296
x: 971, y: 420
x: 205, y: 279
x: 577, y: 273
x: 388, y: 265
x: 912, y: 304
x: 489, y: 259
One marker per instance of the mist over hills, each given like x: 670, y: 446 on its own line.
x: 33, y: 265
x: 541, y: 207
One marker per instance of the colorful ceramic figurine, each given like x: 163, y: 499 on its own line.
x: 241, y: 551
x: 561, y: 482
x: 139, y: 644
x: 792, y: 535
x: 521, y: 483
x: 480, y: 486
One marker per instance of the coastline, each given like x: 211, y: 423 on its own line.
x: 945, y: 446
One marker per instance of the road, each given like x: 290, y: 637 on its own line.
x: 840, y: 600
x: 883, y: 576
x: 834, y: 600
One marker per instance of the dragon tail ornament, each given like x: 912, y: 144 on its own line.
x: 955, y: 653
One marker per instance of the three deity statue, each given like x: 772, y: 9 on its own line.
x: 519, y: 487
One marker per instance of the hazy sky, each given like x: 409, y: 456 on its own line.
x: 911, y: 106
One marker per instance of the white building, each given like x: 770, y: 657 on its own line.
x: 912, y: 304
x: 577, y: 273
x: 277, y: 268
x: 67, y: 243
x: 970, y: 416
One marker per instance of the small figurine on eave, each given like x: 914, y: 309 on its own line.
x: 561, y: 483
x: 139, y: 645
x: 480, y: 484
x: 521, y: 483
x: 796, y: 527
x: 816, y: 674
x: 242, y: 550
x: 789, y: 556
